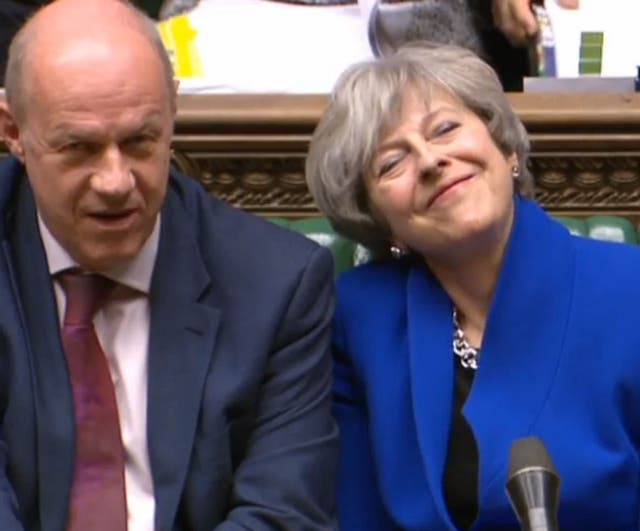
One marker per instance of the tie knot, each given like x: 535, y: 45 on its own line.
x: 86, y: 293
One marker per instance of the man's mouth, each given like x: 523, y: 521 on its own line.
x: 114, y: 219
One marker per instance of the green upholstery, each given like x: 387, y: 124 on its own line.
x: 320, y: 231
x: 347, y: 254
x: 612, y: 228
x: 575, y: 225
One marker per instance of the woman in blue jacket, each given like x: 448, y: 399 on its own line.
x: 483, y: 321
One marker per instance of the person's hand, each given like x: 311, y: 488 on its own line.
x: 517, y: 22
x: 569, y: 4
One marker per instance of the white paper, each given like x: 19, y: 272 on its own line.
x: 265, y: 47
x: 617, y: 19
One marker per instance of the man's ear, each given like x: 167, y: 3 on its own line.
x: 10, y: 132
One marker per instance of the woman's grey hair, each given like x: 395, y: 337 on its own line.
x: 20, y: 48
x: 367, y: 99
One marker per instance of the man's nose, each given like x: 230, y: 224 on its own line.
x: 113, y: 177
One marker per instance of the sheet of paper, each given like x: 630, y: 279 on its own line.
x: 259, y: 46
x: 618, y: 20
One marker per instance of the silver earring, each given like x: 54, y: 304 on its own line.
x: 396, y: 252
x: 515, y: 172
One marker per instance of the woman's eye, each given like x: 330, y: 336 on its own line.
x: 387, y: 165
x: 445, y: 127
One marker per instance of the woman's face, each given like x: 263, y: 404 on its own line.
x: 439, y: 181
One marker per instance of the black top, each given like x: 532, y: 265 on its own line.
x: 460, y: 480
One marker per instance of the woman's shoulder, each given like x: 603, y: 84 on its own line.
x: 370, y: 288
x: 373, y: 278
x: 592, y: 253
x: 608, y: 267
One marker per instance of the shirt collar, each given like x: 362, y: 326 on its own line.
x: 136, y: 273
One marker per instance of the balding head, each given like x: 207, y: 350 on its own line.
x: 90, y: 115
x: 78, y: 27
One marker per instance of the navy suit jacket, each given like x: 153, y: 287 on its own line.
x: 239, y: 423
x: 560, y: 359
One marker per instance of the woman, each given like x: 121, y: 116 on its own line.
x: 483, y: 322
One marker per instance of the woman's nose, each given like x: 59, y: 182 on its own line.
x: 431, y: 161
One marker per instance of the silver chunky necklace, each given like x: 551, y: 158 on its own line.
x: 468, y: 355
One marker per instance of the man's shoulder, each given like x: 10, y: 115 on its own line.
x: 11, y: 174
x: 228, y: 230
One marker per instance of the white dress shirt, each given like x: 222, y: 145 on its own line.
x: 122, y: 327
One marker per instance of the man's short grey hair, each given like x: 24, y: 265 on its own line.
x: 368, y: 98
x: 19, y: 51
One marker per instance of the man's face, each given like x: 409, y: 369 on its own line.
x: 95, y: 139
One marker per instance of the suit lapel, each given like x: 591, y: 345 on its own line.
x: 522, y: 342
x: 53, y: 399
x: 430, y: 334
x: 182, y: 335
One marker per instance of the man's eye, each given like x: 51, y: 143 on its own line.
x: 78, y: 147
x: 140, y: 142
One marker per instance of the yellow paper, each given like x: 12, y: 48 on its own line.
x: 179, y: 38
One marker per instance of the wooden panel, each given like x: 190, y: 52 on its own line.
x: 250, y: 149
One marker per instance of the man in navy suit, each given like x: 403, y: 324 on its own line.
x: 216, y: 334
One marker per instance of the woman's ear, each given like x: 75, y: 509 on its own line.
x: 397, y: 249
x: 396, y: 242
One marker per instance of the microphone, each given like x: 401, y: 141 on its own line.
x: 533, y: 486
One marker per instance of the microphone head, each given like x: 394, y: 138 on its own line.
x: 527, y: 453
x: 533, y: 486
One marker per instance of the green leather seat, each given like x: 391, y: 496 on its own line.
x: 319, y: 230
x: 346, y: 254
x: 612, y: 228
x: 575, y: 225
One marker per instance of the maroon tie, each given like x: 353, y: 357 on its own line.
x: 98, y: 501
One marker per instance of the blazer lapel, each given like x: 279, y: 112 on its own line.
x: 519, y: 358
x: 430, y: 329
x: 182, y: 335
x: 522, y: 342
x: 53, y: 399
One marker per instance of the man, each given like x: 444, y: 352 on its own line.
x: 215, y: 331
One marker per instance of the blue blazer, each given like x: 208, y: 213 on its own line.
x: 239, y: 380
x: 560, y: 360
